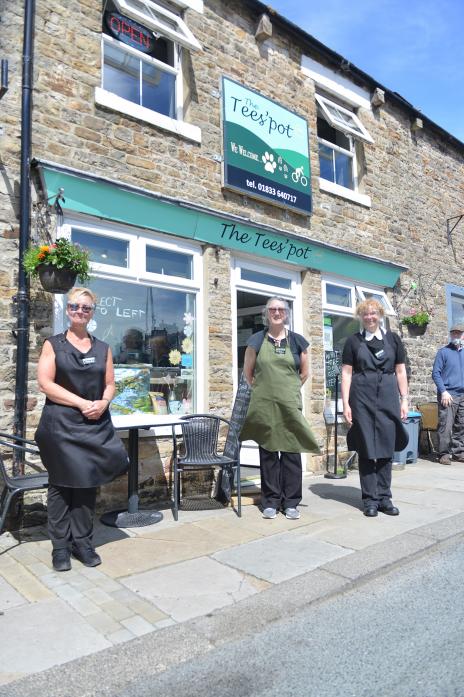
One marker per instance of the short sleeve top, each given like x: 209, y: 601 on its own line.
x: 297, y: 343
x: 350, y: 350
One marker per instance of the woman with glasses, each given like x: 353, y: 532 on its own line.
x: 77, y: 442
x: 277, y: 365
x: 375, y: 401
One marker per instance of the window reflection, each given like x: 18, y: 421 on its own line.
x: 151, y: 332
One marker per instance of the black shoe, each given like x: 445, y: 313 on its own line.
x: 86, y: 555
x: 389, y: 509
x: 61, y: 560
x: 370, y: 511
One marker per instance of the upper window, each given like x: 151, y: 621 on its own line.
x: 339, y: 133
x: 342, y: 119
x: 141, y: 62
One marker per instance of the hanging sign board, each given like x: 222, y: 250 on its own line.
x: 266, y: 151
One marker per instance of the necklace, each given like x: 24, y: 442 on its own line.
x: 275, y: 340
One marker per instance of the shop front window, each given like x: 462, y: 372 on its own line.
x: 151, y: 332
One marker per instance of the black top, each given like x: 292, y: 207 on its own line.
x: 375, y: 346
x: 298, y: 343
x: 79, y: 452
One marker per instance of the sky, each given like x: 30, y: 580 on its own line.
x: 413, y: 47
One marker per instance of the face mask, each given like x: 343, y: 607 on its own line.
x: 457, y: 342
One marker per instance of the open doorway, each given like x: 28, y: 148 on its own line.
x: 253, y: 285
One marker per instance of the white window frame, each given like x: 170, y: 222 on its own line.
x: 342, y: 309
x: 135, y: 272
x: 384, y: 299
x: 357, y: 131
x: 332, y: 187
x: 112, y: 101
x: 358, y: 293
x: 196, y: 5
x: 149, y: 18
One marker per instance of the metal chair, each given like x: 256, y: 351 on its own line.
x: 15, y: 485
x: 200, y: 435
x: 429, y: 421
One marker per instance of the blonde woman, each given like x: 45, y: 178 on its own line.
x: 375, y: 400
x: 77, y: 442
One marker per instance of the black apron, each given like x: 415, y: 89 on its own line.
x: 377, y: 430
x: 79, y: 452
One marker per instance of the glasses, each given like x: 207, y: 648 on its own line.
x: 279, y: 310
x: 86, y: 309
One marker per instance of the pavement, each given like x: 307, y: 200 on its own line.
x: 211, y: 575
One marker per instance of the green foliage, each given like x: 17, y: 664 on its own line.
x: 419, y: 318
x: 63, y: 254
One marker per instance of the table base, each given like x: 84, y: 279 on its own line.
x: 124, y: 519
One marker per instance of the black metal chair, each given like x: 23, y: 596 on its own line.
x: 15, y: 485
x: 200, y: 436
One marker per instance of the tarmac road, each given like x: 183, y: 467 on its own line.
x: 401, y: 635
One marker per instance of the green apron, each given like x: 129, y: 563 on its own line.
x: 274, y: 419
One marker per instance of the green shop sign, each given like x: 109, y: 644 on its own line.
x: 111, y: 201
x: 266, y: 152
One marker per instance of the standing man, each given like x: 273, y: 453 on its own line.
x: 448, y: 376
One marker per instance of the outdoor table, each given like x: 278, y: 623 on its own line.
x: 133, y: 517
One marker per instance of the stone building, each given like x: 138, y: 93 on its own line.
x: 211, y: 154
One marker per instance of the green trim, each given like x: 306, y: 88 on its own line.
x: 110, y: 201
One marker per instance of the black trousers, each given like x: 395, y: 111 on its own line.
x: 70, y: 516
x: 375, y: 477
x: 281, y: 484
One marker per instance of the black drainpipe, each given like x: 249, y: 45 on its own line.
x: 22, y: 297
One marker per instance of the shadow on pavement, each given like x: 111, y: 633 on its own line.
x: 344, y: 494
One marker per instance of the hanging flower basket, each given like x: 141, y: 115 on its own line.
x: 416, y: 322
x: 416, y: 329
x: 56, y: 280
x: 58, y: 265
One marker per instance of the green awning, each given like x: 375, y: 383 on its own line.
x: 102, y: 198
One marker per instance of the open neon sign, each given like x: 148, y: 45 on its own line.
x: 129, y: 32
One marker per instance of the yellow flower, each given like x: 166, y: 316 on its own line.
x: 175, y: 357
x: 44, y: 248
x: 187, y: 345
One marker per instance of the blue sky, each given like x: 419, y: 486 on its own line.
x: 413, y: 47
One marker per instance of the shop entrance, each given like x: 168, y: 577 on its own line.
x: 254, y: 285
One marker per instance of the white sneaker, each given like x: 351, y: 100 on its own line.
x: 269, y: 513
x: 292, y: 513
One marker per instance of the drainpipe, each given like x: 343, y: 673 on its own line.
x: 22, y: 296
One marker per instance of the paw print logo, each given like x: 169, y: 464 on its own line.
x: 269, y: 163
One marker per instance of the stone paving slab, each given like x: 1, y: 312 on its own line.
x: 192, y: 588
x: 356, y: 532
x: 280, y: 557
x: 46, y: 634
x: 9, y: 597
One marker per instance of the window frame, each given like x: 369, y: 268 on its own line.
x: 134, y: 273
x: 182, y: 35
x: 362, y: 132
x: 113, y: 101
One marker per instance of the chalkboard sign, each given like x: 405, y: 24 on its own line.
x: 333, y: 366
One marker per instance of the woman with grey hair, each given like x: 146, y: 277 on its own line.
x: 276, y: 366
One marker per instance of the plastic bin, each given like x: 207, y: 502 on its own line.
x: 409, y: 453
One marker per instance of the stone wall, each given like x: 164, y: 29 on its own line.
x: 415, y: 180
